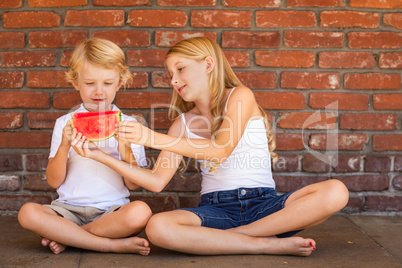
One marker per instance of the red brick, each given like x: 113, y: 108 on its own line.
x: 304, y: 80
x: 257, y: 80
x: 94, y: 18
x: 142, y: 100
x: 387, y: 101
x: 221, y: 18
x: 251, y: 3
x: 42, y: 120
x: 377, y: 164
x: 349, y: 19
x: 349, y: 142
x: 288, y: 19
x: 15, y: 202
x: 387, y: 142
x: 342, y: 101
x: 31, y: 19
x: 66, y: 58
x: 383, y: 203
x: 47, y: 79
x: 157, y: 18
x: 178, y: 184
x: 368, y: 121
x: 54, y: 39
x: 285, y: 184
x: 391, y: 60
x: 189, y: 201
x: 157, y: 203
x: 36, y: 162
x: 57, y: 3
x: 159, y: 120
x: 346, y: 60
x: 397, y: 182
x: 398, y: 163
x: 286, y: 59
x: 11, y: 79
x: 124, y: 38
x: 10, y: 183
x: 169, y: 38
x: 376, y: 3
x: 381, y: 40
x: 393, y: 19
x: 24, y: 99
x: 10, y: 162
x: 316, y: 3
x: 122, y: 3
x: 17, y: 59
x: 354, y: 205
x: 160, y: 79
x: 12, y: 40
x: 289, y: 141
x: 241, y: 39
x: 360, y: 183
x: 36, y: 182
x: 11, y: 4
x: 25, y: 139
x: 140, y: 80
x: 310, y: 163
x: 286, y: 163
x: 346, y: 163
x: 372, y: 81
x: 313, y: 39
x: 11, y: 120
x: 146, y: 58
x: 190, y: 3
x: 307, y: 120
x: 281, y: 100
x: 66, y: 99
x: 237, y: 58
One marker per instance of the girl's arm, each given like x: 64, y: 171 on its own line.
x: 126, y: 155
x: 242, y: 107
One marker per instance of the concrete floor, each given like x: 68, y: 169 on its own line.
x: 342, y: 241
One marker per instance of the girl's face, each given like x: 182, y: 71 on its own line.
x: 189, y: 78
x: 97, y: 86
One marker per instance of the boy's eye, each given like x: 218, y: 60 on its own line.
x: 89, y: 83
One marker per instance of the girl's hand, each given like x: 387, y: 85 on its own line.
x: 133, y: 132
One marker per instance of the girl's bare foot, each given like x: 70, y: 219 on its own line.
x: 290, y: 246
x: 53, y: 245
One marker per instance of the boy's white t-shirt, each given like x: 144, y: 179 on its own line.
x: 89, y: 182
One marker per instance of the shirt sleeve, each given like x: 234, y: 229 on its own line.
x: 57, y: 135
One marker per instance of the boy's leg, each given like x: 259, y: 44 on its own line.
x: 181, y: 230
x: 129, y: 219
x: 45, y: 222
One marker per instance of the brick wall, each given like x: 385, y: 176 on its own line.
x: 328, y: 72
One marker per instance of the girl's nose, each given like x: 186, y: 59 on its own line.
x: 174, y: 81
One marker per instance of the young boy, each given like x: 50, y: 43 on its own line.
x: 93, y: 210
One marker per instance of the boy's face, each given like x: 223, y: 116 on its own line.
x: 97, y: 86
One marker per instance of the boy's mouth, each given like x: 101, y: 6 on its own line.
x: 98, y: 100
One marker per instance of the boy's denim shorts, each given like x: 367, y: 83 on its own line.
x: 230, y: 209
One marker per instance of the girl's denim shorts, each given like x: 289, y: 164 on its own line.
x: 230, y: 209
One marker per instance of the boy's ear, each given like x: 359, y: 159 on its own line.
x: 75, y: 85
x: 210, y: 64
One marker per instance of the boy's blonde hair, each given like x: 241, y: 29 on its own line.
x: 102, y: 53
x: 222, y: 77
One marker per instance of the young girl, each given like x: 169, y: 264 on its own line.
x: 93, y: 210
x: 217, y: 121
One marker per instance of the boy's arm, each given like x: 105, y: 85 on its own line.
x: 56, y: 169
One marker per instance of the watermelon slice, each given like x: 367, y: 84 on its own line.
x: 96, y: 126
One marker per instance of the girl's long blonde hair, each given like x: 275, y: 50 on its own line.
x: 222, y: 77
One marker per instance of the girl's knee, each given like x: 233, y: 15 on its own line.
x: 338, y: 193
x: 155, y: 228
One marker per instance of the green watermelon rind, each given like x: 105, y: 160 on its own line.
x: 91, y: 114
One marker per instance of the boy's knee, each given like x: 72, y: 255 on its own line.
x: 26, y: 214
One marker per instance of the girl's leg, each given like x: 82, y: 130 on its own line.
x: 47, y: 223
x: 304, y: 208
x: 129, y: 219
x: 181, y: 230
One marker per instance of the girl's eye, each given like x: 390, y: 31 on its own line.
x: 180, y: 69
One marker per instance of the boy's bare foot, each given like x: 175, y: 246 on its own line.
x: 53, y: 245
x: 290, y: 246
x: 131, y: 245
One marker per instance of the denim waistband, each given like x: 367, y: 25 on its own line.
x: 237, y: 194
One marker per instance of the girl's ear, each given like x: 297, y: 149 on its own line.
x: 210, y: 64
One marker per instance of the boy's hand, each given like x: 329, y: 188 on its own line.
x: 133, y: 132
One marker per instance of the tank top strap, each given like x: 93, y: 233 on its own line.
x: 227, y: 101
x: 183, y: 118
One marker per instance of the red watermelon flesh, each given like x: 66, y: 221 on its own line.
x: 96, y: 126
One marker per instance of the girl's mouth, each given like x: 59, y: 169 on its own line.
x: 180, y: 89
